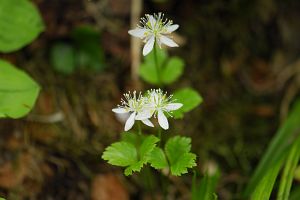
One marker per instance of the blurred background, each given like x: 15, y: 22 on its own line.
x: 242, y: 56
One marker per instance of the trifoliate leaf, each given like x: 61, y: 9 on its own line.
x: 130, y: 137
x: 172, y: 71
x: 132, y: 152
x: 148, y: 73
x: 161, y: 57
x: 120, y: 154
x: 148, y: 69
x: 18, y: 91
x: 20, y: 24
x: 170, y: 68
x: 147, y: 146
x: 190, y: 99
x: 135, y: 167
x: 178, y: 152
x: 158, y: 159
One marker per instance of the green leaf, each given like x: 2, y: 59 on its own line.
x: 89, y: 54
x: 178, y: 153
x: 20, y: 24
x: 190, y: 99
x: 63, y: 58
x: 147, y: 146
x: 130, y: 137
x: 158, y: 159
x: 289, y: 171
x: 134, y: 155
x: 265, y: 186
x: 278, y: 148
x: 170, y: 68
x: 173, y: 70
x: 18, y: 92
x: 205, y: 188
x: 120, y: 154
x: 148, y: 68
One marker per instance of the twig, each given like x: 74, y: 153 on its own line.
x: 52, y: 118
x: 136, y: 7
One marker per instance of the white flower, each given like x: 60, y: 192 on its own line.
x: 154, y: 28
x: 134, y: 105
x: 160, y: 104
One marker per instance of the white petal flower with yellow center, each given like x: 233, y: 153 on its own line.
x: 154, y: 28
x: 160, y: 104
x: 134, y: 105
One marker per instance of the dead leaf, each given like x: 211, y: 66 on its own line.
x: 108, y: 187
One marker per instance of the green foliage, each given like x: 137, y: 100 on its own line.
x: 277, y: 151
x: 120, y: 154
x: 84, y: 52
x: 190, y: 99
x: 158, y: 159
x: 289, y: 171
x: 134, y: 151
x: 89, y: 53
x: 20, y: 24
x: 178, y: 153
x: 205, y: 188
x: 177, y: 156
x: 130, y: 155
x: 18, y: 92
x: 265, y: 186
x: 171, y: 68
x: 63, y: 58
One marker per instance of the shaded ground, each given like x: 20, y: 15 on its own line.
x: 240, y: 55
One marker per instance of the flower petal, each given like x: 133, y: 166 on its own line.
x: 122, y: 117
x: 138, y: 32
x: 162, y: 120
x: 119, y: 110
x: 148, y: 122
x: 152, y: 21
x: 172, y: 28
x: 148, y: 46
x: 146, y: 114
x: 130, y: 121
x: 174, y: 106
x: 167, y: 41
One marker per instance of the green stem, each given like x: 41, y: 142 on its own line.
x: 159, y: 136
x: 139, y: 128
x: 157, y: 65
x: 149, y: 175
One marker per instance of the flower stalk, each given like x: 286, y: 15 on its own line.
x: 157, y: 66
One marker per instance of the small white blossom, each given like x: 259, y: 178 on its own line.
x: 154, y: 28
x: 160, y: 104
x: 134, y: 105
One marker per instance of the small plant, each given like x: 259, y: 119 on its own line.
x: 136, y: 149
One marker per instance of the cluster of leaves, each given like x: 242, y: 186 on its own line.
x: 171, y: 68
x: 283, y: 152
x: 18, y: 92
x: 83, y: 52
x: 134, y: 151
